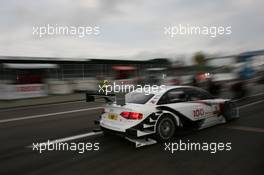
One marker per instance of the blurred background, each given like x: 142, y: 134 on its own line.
x: 131, y: 46
x: 232, y: 76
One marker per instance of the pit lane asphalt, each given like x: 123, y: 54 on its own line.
x: 118, y: 156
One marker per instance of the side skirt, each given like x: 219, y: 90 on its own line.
x: 212, y: 121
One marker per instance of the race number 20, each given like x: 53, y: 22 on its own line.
x: 198, y: 113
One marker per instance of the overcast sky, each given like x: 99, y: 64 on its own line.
x: 129, y: 28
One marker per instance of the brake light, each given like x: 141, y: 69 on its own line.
x: 132, y: 115
x: 135, y: 116
x: 125, y: 114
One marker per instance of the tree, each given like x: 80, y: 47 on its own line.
x: 199, y: 58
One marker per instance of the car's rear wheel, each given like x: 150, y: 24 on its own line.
x: 165, y: 128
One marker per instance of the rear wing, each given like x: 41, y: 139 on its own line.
x: 119, y: 98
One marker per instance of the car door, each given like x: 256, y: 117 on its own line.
x: 202, y: 103
x: 177, y: 100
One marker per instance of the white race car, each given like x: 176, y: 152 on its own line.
x: 161, y: 113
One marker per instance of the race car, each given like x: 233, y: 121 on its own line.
x: 162, y: 112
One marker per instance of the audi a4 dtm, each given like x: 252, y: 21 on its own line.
x: 159, y: 114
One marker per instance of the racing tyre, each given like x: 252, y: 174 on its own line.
x: 230, y: 111
x: 165, y: 128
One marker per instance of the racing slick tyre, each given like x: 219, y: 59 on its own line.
x: 230, y: 111
x: 165, y: 128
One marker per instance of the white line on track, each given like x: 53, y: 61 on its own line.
x: 66, y: 139
x: 85, y: 109
x: 250, y: 104
x: 246, y: 128
x: 47, y: 115
x: 40, y: 105
x: 258, y: 94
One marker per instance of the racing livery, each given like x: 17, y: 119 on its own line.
x: 161, y: 113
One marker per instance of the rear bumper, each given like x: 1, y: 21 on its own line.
x: 141, y: 130
x: 131, y: 133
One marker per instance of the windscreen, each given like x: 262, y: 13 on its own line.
x: 138, y: 98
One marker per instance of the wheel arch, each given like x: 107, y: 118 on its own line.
x: 181, y: 119
x: 175, y: 118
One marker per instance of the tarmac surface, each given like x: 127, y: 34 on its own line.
x: 21, y: 127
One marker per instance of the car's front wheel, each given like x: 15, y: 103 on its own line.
x: 165, y: 128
